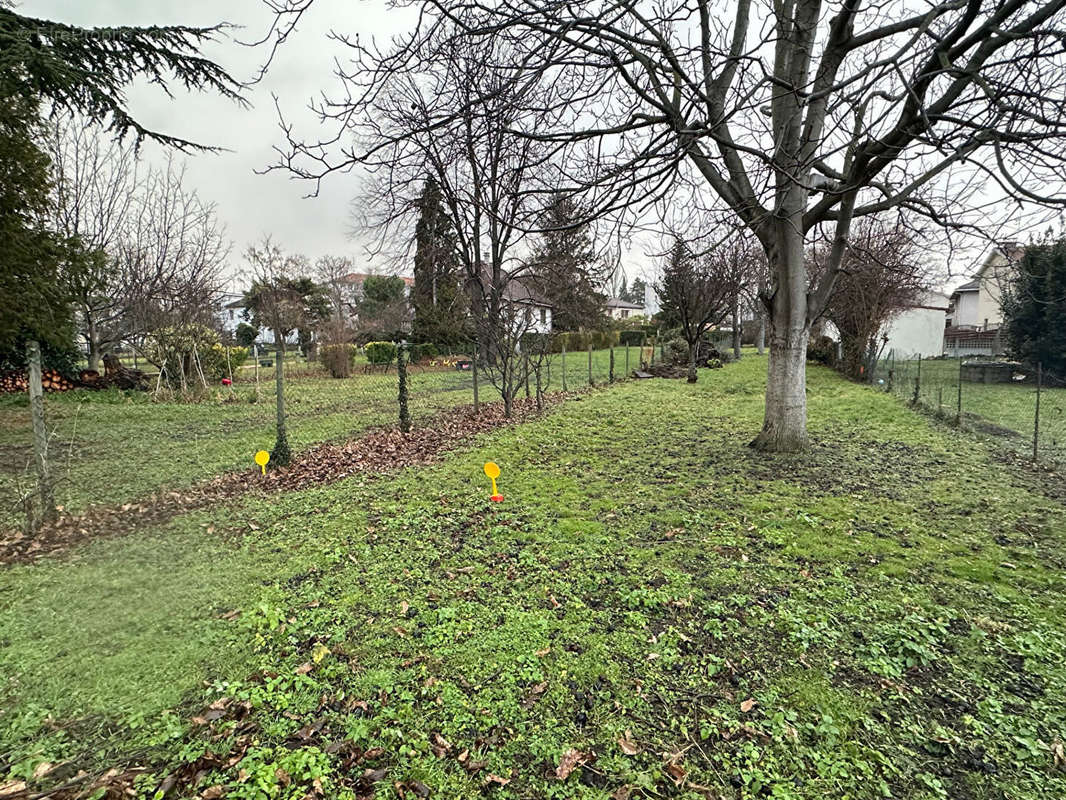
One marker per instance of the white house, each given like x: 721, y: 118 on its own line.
x: 623, y: 309
x: 919, y: 329
x: 231, y: 315
x: 978, y: 304
x: 531, y: 312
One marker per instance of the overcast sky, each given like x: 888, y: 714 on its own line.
x: 248, y: 203
x: 252, y: 204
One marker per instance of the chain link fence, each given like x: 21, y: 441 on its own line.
x: 1021, y: 406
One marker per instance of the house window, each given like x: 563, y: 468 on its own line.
x: 625, y: 313
x: 543, y: 316
x: 231, y: 313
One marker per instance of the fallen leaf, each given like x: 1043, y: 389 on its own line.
x: 12, y: 787
x: 304, y: 668
x: 212, y: 793
x: 493, y: 778
x: 318, y: 652
x: 42, y: 769
x: 747, y: 705
x: 571, y: 759
x: 676, y: 771
x: 629, y: 747
x: 542, y: 653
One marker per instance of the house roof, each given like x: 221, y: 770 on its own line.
x: 972, y: 286
x: 516, y: 291
x: 617, y: 302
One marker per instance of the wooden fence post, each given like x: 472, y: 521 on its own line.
x: 473, y: 366
x: 591, y: 383
x: 40, y: 434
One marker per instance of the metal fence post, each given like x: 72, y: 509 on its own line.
x: 627, y: 360
x: 1036, y: 416
x: 591, y: 383
x: 473, y: 366
x: 958, y: 402
x: 401, y: 375
x: 564, y: 366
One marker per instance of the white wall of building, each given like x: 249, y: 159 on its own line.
x: 919, y: 331
x: 966, y: 310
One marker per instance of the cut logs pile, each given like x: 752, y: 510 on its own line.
x: 17, y: 380
x: 115, y: 375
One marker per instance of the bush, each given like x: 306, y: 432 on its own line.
x: 677, y: 351
x: 245, y: 335
x: 635, y: 338
x: 380, y: 352
x: 424, y: 352
x: 218, y: 360
x: 823, y: 350
x: 338, y: 359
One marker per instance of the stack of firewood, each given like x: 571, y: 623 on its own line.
x: 15, y: 380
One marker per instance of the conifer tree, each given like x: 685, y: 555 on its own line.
x: 437, y: 297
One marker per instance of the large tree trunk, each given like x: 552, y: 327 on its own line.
x: 692, y: 347
x: 40, y: 435
x: 93, y: 334
x: 784, y: 427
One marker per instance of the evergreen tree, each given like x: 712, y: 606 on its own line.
x: 36, y: 300
x: 87, y: 71
x: 437, y: 296
x: 1034, y: 307
x: 565, y: 269
x: 623, y: 292
x: 636, y: 291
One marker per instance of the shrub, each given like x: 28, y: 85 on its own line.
x: 424, y: 352
x: 822, y: 350
x: 636, y: 338
x: 380, y: 352
x: 218, y: 360
x: 245, y: 334
x: 677, y: 351
x: 338, y: 359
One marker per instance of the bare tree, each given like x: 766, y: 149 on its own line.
x: 283, y: 299
x: 156, y: 249
x: 699, y: 291
x: 882, y: 273
x: 456, y: 120
x: 331, y: 272
x: 793, y: 116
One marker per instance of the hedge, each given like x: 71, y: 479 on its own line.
x: 380, y: 352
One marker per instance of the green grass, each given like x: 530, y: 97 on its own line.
x: 1004, y: 410
x: 117, y: 447
x: 892, y: 602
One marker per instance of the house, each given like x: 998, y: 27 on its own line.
x: 978, y: 304
x: 919, y: 329
x: 231, y: 315
x: 531, y: 313
x: 623, y: 309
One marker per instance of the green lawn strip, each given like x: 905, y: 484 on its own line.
x: 98, y: 436
x: 883, y: 615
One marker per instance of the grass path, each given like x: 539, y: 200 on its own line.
x: 654, y: 611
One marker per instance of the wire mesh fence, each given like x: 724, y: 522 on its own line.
x: 1022, y: 406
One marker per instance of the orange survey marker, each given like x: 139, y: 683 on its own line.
x: 493, y: 471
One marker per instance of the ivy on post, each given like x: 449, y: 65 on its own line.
x: 610, y: 368
x: 401, y: 375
